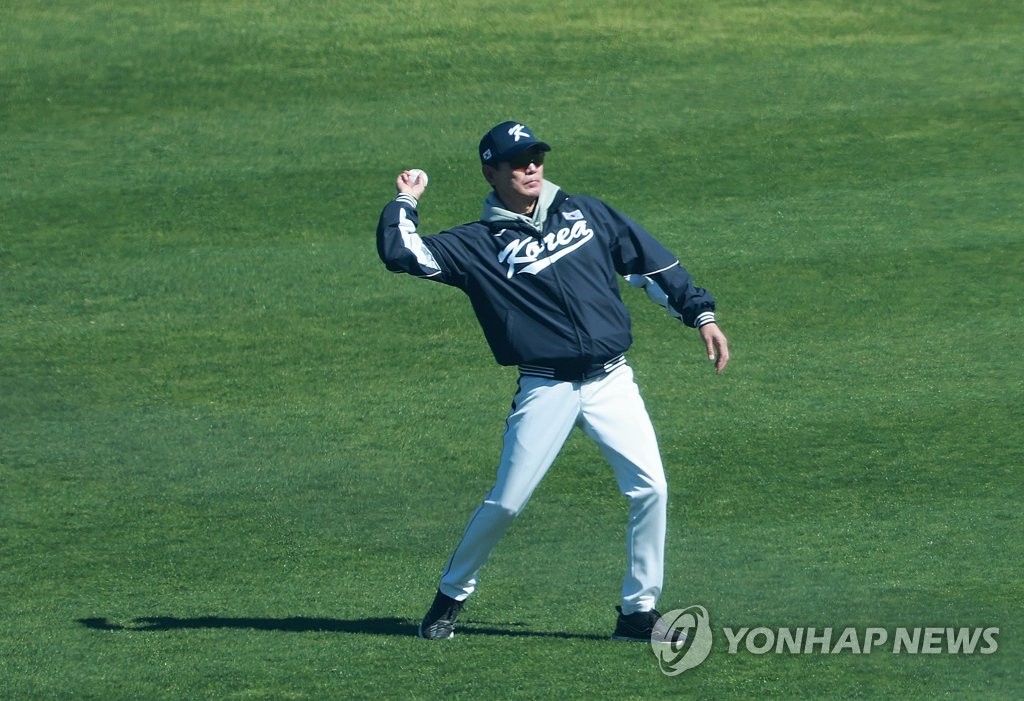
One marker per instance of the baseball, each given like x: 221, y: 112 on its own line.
x: 415, y: 175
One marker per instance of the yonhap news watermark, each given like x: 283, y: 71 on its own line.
x: 830, y: 641
x: 684, y: 638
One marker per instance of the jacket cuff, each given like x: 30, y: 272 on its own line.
x: 703, y: 319
x: 406, y: 198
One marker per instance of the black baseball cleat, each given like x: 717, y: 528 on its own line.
x: 439, y: 623
x: 645, y: 627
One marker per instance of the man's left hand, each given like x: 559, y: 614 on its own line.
x: 717, y: 346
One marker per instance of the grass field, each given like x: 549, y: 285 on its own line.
x: 235, y: 452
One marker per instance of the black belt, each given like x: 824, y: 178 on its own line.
x: 573, y: 372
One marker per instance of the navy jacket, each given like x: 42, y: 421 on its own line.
x: 549, y: 298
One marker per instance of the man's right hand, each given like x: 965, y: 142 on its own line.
x: 404, y: 187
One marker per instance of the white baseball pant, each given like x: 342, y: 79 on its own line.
x: 611, y: 411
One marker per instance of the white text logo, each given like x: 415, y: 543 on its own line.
x: 910, y: 641
x: 519, y: 132
x: 529, y: 251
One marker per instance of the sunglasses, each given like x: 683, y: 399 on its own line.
x: 525, y: 159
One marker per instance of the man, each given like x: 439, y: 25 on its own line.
x: 541, y: 269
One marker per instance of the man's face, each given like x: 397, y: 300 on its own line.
x: 518, y: 183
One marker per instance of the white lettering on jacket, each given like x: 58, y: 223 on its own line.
x: 529, y: 251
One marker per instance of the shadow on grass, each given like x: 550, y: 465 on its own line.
x: 365, y: 626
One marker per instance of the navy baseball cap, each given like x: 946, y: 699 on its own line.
x: 506, y: 141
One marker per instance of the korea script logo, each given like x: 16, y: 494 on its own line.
x: 535, y: 255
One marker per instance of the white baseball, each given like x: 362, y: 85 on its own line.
x: 415, y: 175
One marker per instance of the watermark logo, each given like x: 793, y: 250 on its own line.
x: 682, y: 639
x: 829, y: 641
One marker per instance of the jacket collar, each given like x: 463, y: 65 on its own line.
x: 497, y: 217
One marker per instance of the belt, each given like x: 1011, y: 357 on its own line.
x: 573, y: 372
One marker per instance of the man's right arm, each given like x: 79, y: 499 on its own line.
x: 399, y: 245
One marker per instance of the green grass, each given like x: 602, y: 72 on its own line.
x: 235, y: 452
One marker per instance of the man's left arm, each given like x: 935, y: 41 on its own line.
x: 715, y: 342
x: 646, y: 263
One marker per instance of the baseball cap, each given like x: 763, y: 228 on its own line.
x: 506, y: 141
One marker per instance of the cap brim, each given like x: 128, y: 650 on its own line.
x: 520, y: 148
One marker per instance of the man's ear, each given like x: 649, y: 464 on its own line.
x: 488, y: 173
